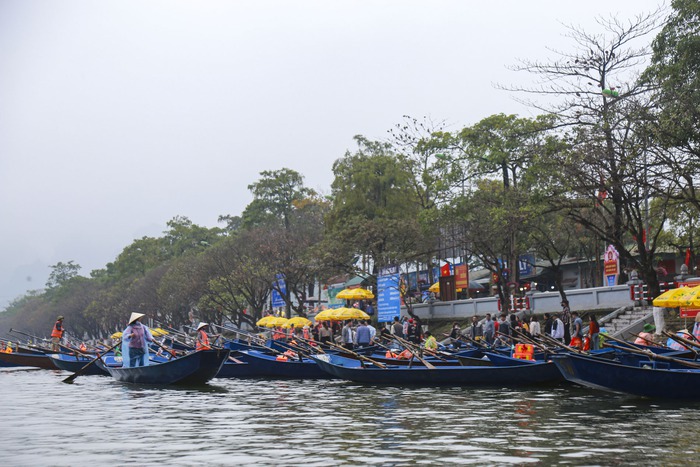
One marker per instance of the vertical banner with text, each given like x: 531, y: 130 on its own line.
x: 388, y: 295
x: 277, y: 298
x: 611, y: 266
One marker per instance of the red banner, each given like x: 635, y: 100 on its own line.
x: 461, y: 277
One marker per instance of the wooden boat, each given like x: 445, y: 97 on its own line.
x: 236, y: 370
x: 520, y: 375
x: 76, y: 362
x: 648, y: 379
x: 193, y: 368
x: 35, y: 359
x: 263, y: 364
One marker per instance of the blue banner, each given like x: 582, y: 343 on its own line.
x: 388, y: 295
x: 526, y: 265
x: 277, y: 298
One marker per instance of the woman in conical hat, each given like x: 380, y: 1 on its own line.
x: 135, y: 340
x: 202, y: 337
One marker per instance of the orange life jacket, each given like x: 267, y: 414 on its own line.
x: 390, y: 354
x: 57, y: 330
x: 203, y: 341
x: 405, y: 355
x: 524, y: 351
x: 83, y: 347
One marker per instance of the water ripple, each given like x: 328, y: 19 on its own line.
x: 321, y: 423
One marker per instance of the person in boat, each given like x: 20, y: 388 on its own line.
x: 696, y: 327
x: 430, y: 343
x: 454, y: 335
x: 593, y: 332
x: 57, y: 334
x: 135, y: 340
x: 489, y: 329
x: 202, y: 342
x: 646, y: 337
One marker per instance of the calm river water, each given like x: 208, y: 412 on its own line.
x: 97, y: 421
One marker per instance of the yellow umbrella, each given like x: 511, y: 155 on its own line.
x: 670, y: 297
x: 159, y: 332
x: 691, y: 298
x: 354, y: 294
x: 276, y: 321
x: 435, y: 288
x: 264, y: 320
x: 325, y: 315
x: 298, y: 322
x: 116, y: 335
x: 343, y: 314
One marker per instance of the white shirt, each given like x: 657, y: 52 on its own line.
x: 535, y: 329
x: 558, y: 333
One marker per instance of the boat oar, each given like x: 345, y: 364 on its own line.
x: 357, y: 355
x: 528, y: 340
x: 83, y: 369
x: 623, y: 342
x: 29, y: 335
x: 556, y: 343
x: 653, y: 356
x: 685, y: 342
x: 680, y: 339
x: 409, y: 346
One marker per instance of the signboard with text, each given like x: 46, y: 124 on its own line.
x: 611, y: 266
x: 388, y: 295
x: 461, y: 276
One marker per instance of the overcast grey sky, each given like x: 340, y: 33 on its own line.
x: 116, y: 116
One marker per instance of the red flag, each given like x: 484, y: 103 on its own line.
x: 687, y: 257
x: 445, y: 270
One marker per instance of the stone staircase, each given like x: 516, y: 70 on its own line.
x: 627, y: 321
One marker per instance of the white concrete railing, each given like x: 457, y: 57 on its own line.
x: 597, y: 298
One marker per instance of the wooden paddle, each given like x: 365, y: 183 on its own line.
x: 83, y: 369
x: 553, y: 341
x: 358, y: 356
x: 652, y: 356
x: 410, y: 346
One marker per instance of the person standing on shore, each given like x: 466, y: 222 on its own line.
x: 535, y: 329
x: 347, y: 335
x: 593, y: 332
x: 397, y: 328
x: 576, y: 331
x: 489, y: 329
x: 57, y: 334
x: 558, y: 329
x: 475, y: 332
x: 566, y: 319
